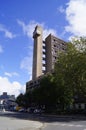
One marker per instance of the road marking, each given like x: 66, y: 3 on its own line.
x: 62, y: 124
x: 79, y: 125
x: 69, y: 125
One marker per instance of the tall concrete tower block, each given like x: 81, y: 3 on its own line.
x: 37, y: 52
x: 54, y: 46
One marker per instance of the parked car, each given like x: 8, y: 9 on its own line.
x: 38, y: 111
x: 22, y: 110
x: 30, y: 110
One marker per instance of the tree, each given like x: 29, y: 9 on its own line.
x: 45, y: 95
x: 70, y: 72
x: 20, y: 99
x: 27, y: 99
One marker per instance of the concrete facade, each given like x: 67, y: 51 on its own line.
x: 37, y: 53
x: 54, y: 46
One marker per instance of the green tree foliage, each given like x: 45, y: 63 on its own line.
x: 70, y: 72
x: 27, y: 99
x: 46, y: 93
x: 20, y: 99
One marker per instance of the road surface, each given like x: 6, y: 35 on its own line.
x: 26, y: 121
x: 16, y: 121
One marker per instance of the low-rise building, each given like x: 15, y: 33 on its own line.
x: 7, y: 101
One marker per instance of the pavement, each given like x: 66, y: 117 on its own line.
x: 26, y: 121
x: 12, y: 123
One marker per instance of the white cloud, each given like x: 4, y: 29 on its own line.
x: 11, y: 74
x: 47, y: 31
x: 76, y: 17
x: 1, y: 49
x: 26, y: 64
x: 7, y: 33
x: 61, y: 9
x: 29, y: 28
x: 14, y: 88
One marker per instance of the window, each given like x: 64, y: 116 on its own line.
x: 54, y: 45
x: 55, y: 51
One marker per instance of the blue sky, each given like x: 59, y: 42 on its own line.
x: 62, y: 18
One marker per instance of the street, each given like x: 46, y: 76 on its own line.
x: 80, y: 125
x: 66, y: 123
x: 16, y: 121
x: 26, y: 121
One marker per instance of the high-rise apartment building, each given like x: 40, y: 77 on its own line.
x: 45, y: 54
x: 53, y: 46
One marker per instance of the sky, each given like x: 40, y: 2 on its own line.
x: 18, y: 18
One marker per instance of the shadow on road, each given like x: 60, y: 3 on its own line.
x: 42, y: 117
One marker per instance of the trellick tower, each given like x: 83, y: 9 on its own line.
x: 37, y: 53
